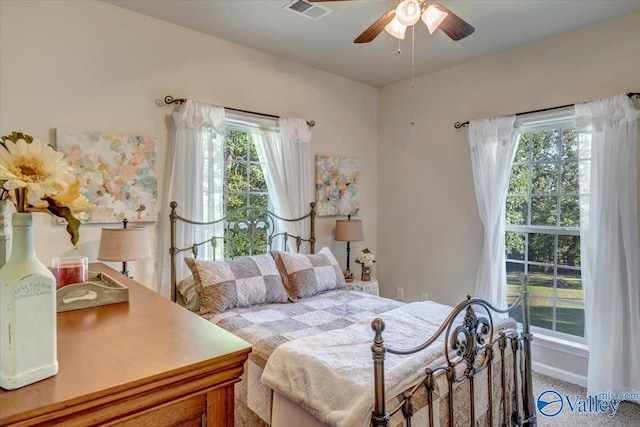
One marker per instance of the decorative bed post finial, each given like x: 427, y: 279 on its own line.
x: 379, y: 418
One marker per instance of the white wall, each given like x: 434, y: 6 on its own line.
x: 429, y: 231
x: 91, y: 65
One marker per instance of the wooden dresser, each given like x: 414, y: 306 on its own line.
x: 147, y: 362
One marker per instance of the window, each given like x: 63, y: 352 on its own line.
x: 235, y: 183
x: 543, y: 228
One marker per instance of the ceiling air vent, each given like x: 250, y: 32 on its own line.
x: 308, y: 10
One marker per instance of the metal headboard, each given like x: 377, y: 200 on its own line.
x: 257, y: 226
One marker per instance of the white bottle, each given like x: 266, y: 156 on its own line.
x: 27, y: 312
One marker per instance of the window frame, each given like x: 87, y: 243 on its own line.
x: 239, y: 123
x: 235, y: 125
x: 540, y: 122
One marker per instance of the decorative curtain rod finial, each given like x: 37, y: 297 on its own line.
x: 171, y: 100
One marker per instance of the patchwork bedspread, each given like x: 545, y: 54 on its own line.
x: 268, y: 326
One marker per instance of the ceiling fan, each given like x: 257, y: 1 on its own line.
x: 407, y: 13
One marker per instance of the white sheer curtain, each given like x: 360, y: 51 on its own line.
x: 198, y: 165
x: 287, y: 156
x: 493, y: 145
x: 610, y: 254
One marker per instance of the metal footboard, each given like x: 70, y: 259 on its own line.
x: 470, y: 348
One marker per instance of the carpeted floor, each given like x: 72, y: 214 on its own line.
x: 627, y: 415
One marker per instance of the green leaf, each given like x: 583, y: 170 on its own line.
x: 73, y: 224
x: 14, y: 137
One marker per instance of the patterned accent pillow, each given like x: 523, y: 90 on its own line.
x: 187, y: 296
x: 307, y: 275
x: 223, y: 285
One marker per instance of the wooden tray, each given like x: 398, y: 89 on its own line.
x: 101, y: 289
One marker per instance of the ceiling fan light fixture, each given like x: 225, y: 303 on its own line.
x: 433, y: 17
x: 396, y: 29
x: 408, y: 12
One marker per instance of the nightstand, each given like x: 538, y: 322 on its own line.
x: 369, y: 287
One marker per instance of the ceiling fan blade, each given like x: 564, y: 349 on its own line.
x: 376, y: 28
x: 454, y: 26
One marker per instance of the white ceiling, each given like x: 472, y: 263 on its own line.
x: 328, y: 45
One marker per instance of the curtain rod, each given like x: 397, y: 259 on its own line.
x: 459, y: 125
x: 171, y: 100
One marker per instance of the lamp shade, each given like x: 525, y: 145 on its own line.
x: 124, y: 244
x: 396, y: 29
x: 408, y: 12
x: 433, y: 17
x: 349, y: 230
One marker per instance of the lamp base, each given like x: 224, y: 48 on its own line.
x: 348, y: 275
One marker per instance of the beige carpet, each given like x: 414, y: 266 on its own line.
x: 627, y: 415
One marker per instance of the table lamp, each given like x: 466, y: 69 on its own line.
x: 124, y: 244
x: 348, y: 230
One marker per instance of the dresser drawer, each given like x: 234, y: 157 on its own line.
x: 188, y: 412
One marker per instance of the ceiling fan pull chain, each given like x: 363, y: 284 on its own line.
x: 413, y: 63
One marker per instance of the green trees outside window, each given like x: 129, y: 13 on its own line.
x: 245, y: 195
x: 543, y: 223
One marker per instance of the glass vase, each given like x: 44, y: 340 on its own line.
x: 27, y: 312
x: 365, y: 276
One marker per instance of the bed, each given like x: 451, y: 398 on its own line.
x: 323, y: 355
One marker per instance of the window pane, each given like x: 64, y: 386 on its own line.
x: 569, y: 144
x: 522, y: 152
x: 238, y: 243
x: 546, y: 145
x: 541, y: 280
x: 514, y: 272
x: 517, y: 210
x: 544, y: 178
x: 514, y: 246
x: 519, y: 182
x: 570, y: 316
x: 237, y: 177
x: 569, y: 283
x: 569, y: 178
x: 541, y: 312
x: 256, y: 179
x: 569, y: 250
x: 235, y: 202
x: 237, y: 144
x: 544, y: 210
x: 259, y: 200
x: 541, y: 248
x: 570, y: 211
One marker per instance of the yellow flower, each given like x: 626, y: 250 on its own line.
x: 36, y: 167
x: 36, y: 178
x: 71, y: 198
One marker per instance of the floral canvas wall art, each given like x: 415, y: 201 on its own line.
x: 117, y: 172
x: 337, y: 183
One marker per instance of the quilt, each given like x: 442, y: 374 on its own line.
x: 268, y: 326
x: 336, y: 322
